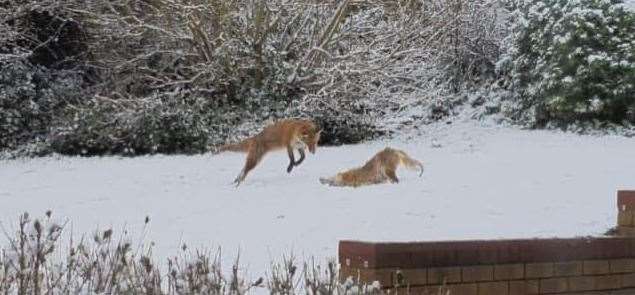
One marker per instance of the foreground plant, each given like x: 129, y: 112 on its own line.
x: 35, y: 261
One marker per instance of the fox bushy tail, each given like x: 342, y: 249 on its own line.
x: 242, y: 146
x: 411, y: 163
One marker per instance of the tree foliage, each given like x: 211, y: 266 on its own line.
x: 575, y: 60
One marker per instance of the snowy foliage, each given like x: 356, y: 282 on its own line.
x: 575, y: 60
x: 141, y: 77
x: 30, y: 97
x: 180, y: 76
x: 131, y: 127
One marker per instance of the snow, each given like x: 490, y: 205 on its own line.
x: 480, y: 182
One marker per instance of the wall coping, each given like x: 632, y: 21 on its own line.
x: 360, y: 254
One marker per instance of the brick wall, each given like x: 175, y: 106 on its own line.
x: 593, y: 265
x: 626, y: 213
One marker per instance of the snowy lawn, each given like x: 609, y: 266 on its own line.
x: 482, y: 182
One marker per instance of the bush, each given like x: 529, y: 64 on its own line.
x: 178, y: 76
x: 342, y: 122
x: 575, y: 60
x: 155, y: 125
x: 30, y: 97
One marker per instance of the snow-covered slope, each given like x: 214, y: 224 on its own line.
x: 482, y: 182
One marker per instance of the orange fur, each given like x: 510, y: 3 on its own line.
x: 292, y: 134
x: 380, y: 168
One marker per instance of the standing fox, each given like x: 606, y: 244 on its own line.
x: 379, y: 169
x: 290, y: 134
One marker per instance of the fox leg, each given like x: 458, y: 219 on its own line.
x: 301, y: 151
x: 391, y: 175
x: 253, y: 158
x: 291, y: 159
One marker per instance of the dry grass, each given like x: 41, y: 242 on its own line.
x: 37, y: 261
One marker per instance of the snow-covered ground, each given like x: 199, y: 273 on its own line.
x: 482, y: 182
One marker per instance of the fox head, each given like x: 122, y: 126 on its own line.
x: 311, y: 137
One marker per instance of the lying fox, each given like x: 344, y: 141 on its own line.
x: 291, y: 134
x: 379, y: 169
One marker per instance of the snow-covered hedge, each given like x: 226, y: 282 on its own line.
x: 165, y: 76
x: 574, y: 60
x: 31, y: 96
x: 183, y: 75
x: 102, y: 125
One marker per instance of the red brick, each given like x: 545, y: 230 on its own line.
x: 567, y: 269
x: 556, y: 250
x: 509, y: 271
x: 626, y: 231
x: 466, y: 253
x: 623, y: 292
x: 441, y: 275
x: 626, y: 199
x: 383, y: 276
x: 595, y: 267
x: 554, y: 285
x: 488, y: 252
x: 510, y: 252
x: 581, y: 284
x: 622, y: 265
x: 613, y: 248
x: 625, y: 218
x: 491, y: 288
x: 411, y: 277
x: 357, y: 254
x: 434, y: 254
x: 462, y: 289
x: 395, y: 256
x: 537, y: 250
x: 610, y: 282
x: 346, y: 272
x: 596, y: 283
x: 538, y: 270
x: 478, y: 273
x: 421, y: 290
x: 628, y: 280
x: 524, y: 287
